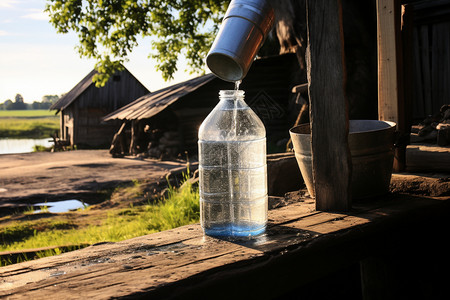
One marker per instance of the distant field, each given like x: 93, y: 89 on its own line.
x: 28, y: 123
x: 27, y: 113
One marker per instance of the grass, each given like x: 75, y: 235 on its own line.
x: 39, y: 148
x: 36, y: 127
x: 26, y: 113
x: 179, y: 207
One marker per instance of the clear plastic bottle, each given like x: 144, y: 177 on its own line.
x: 233, y: 171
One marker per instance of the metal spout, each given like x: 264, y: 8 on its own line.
x: 241, y: 35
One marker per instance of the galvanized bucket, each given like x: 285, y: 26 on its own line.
x: 371, y: 144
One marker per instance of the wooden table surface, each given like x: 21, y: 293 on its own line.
x: 300, y: 245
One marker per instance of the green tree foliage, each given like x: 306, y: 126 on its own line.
x: 18, y: 98
x: 50, y: 99
x: 7, y: 105
x: 108, y: 30
x: 19, y: 103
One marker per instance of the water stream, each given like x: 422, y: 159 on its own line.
x: 233, y: 135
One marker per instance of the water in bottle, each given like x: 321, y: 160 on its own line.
x: 233, y: 172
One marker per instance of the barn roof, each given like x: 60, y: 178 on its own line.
x: 73, y: 94
x: 149, y: 105
x: 77, y: 90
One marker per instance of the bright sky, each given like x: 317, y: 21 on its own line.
x: 36, y: 61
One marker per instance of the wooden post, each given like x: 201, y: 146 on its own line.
x: 390, y: 74
x: 331, y: 159
x: 408, y: 72
x: 132, y: 149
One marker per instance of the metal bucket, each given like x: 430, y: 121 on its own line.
x: 371, y: 144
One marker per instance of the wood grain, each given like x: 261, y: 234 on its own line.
x: 388, y: 88
x: 301, y: 245
x: 331, y: 158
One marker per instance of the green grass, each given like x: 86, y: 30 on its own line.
x: 28, y: 123
x: 41, y: 127
x: 180, y: 207
x: 27, y: 113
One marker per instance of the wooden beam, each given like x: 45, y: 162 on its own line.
x: 132, y: 149
x: 391, y: 106
x: 331, y: 158
x: 387, y: 61
x: 407, y: 85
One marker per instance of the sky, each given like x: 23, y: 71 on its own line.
x: 36, y: 61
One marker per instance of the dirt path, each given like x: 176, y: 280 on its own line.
x: 43, y: 176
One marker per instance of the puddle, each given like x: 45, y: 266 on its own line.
x: 61, y: 206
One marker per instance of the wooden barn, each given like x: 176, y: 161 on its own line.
x: 83, y: 107
x: 169, y: 118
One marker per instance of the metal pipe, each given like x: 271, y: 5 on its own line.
x: 241, y: 35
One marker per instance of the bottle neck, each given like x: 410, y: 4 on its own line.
x: 231, y: 95
x: 232, y: 99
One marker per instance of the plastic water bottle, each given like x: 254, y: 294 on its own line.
x: 233, y: 171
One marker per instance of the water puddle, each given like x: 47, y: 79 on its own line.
x: 60, y: 206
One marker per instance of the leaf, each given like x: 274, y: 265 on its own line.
x: 108, y: 30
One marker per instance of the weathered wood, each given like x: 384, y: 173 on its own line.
x: 419, y: 105
x: 388, y: 89
x: 426, y: 75
x: 391, y: 105
x: 301, y: 245
x: 26, y: 254
x: 428, y: 158
x: 134, y: 133
x: 331, y: 158
x: 301, y: 88
x: 404, y: 46
x: 85, y: 105
x: 283, y: 174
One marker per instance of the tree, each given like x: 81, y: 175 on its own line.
x: 108, y: 30
x: 18, y: 98
x: 36, y: 105
x: 7, y: 105
x: 19, y: 104
x: 50, y: 99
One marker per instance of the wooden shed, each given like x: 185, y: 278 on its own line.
x: 169, y: 119
x: 83, y: 107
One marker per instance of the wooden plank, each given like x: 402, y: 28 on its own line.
x: 391, y: 105
x: 435, y: 68
x: 404, y: 57
x: 441, y: 35
x: 419, y: 104
x: 446, y: 62
x: 300, y: 245
x: 426, y: 72
x: 408, y: 66
x: 387, y: 61
x: 331, y: 158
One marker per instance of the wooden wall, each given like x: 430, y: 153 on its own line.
x: 67, y: 125
x: 86, y: 112
x: 431, y: 52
